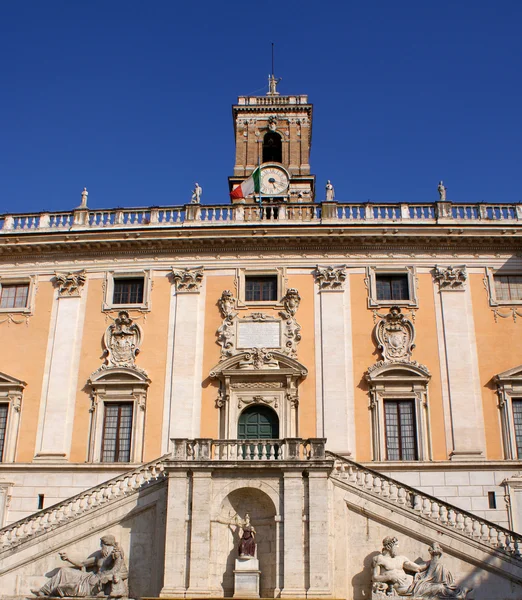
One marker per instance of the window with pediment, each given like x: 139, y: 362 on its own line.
x: 509, y: 390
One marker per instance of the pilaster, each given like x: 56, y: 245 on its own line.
x: 319, y: 566
x: 293, y: 551
x: 199, y: 571
x: 337, y: 395
x: 464, y: 391
x: 175, y: 566
x: 186, y: 375
x: 59, y: 387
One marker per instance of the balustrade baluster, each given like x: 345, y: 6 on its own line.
x: 468, y: 525
x: 443, y: 514
x: 393, y: 492
x: 417, y: 503
x: 401, y: 496
x: 385, y: 488
x: 435, y: 510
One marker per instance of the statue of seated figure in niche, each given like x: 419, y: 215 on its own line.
x: 102, y: 574
x: 247, y: 543
x: 432, y: 580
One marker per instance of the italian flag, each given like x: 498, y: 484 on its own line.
x: 249, y: 186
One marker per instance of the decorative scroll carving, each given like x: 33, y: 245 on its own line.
x: 450, y: 278
x: 269, y: 400
x: 259, y: 358
x: 330, y: 278
x: 70, y: 285
x: 226, y: 332
x: 292, y: 330
x: 395, y: 336
x: 232, y: 342
x: 122, y: 342
x: 188, y: 280
x: 393, y: 575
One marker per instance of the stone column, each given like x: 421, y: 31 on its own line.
x: 336, y: 395
x: 319, y: 543
x: 293, y: 543
x: 63, y: 355
x: 199, y: 578
x: 464, y: 390
x: 175, y: 566
x: 183, y: 393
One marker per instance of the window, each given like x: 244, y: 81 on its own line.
x: 401, y: 441
x: 128, y: 291
x: 261, y: 289
x: 508, y: 287
x: 517, y: 424
x: 14, y: 296
x: 117, y: 432
x: 392, y: 287
x: 4, y: 409
x: 272, y: 147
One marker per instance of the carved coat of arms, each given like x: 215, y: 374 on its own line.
x: 395, y: 336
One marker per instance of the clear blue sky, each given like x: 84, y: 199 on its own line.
x: 133, y: 99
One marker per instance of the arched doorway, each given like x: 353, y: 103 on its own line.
x: 258, y: 423
x: 272, y: 147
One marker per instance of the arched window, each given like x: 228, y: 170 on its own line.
x: 258, y: 423
x: 272, y: 147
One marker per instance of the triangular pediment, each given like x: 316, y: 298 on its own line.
x: 272, y: 362
x: 511, y: 374
x: 9, y: 381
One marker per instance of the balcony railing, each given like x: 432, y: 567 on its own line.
x: 248, y: 450
x: 270, y: 214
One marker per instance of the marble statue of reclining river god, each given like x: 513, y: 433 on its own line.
x: 103, y: 574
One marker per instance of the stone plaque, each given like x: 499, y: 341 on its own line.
x: 259, y: 334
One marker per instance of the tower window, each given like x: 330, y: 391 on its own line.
x: 128, y: 291
x: 401, y: 438
x: 117, y: 432
x: 261, y: 289
x: 272, y: 147
x: 392, y: 287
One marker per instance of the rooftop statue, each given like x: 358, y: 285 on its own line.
x: 330, y: 191
x: 106, y: 576
x: 442, y: 191
x: 196, y: 194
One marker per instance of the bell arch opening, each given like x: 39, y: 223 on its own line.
x: 272, y: 147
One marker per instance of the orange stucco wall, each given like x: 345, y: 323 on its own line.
x: 365, y: 354
x: 499, y: 346
x: 22, y: 355
x: 151, y: 358
x: 306, y: 351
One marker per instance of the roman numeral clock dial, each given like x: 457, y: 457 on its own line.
x: 274, y: 181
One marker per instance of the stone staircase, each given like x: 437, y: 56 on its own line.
x: 445, y: 515
x: 74, y: 507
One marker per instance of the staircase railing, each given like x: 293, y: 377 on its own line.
x: 72, y: 508
x: 431, y: 508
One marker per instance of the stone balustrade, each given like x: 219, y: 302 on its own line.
x: 193, y: 215
x: 428, y: 506
x: 206, y: 449
x: 74, y: 507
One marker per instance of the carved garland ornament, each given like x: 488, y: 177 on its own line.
x: 188, y: 280
x: 330, y: 278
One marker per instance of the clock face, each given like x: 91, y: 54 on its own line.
x: 273, y: 181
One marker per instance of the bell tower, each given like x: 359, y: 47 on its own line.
x: 274, y: 131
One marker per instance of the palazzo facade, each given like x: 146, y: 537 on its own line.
x: 372, y: 351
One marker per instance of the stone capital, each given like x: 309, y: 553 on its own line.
x: 70, y: 285
x: 330, y: 279
x: 451, y: 279
x: 188, y: 280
